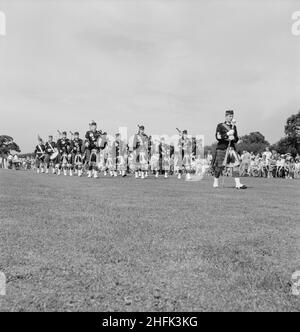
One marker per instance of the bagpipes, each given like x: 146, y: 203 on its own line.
x: 179, y: 131
x: 231, y: 157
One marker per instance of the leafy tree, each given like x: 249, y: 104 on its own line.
x: 254, y: 142
x: 7, y: 144
x: 291, y: 142
x: 284, y: 146
x: 292, y: 126
x: 4, y: 139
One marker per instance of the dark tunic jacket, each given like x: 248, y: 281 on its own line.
x: 222, y: 137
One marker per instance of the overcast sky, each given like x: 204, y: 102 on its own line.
x: 164, y: 64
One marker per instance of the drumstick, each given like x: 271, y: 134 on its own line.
x: 59, y: 133
x: 39, y: 138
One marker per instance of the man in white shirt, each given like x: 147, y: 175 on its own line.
x: 268, y: 154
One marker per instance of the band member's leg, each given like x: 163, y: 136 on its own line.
x: 40, y: 164
x: 77, y: 164
x: 56, y: 163
x: 165, y: 165
x: 136, y: 158
x: 73, y: 168
x: 187, y: 166
x: 37, y: 164
x: 115, y: 166
x: 144, y: 164
x: 88, y: 163
x: 47, y: 163
x: 93, y: 165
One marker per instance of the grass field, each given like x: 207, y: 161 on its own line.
x: 75, y: 244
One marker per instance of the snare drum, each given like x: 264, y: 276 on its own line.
x: 54, y: 155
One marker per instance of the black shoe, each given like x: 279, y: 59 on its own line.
x: 241, y: 187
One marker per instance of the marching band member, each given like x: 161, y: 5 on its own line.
x: 64, y: 157
x: 165, y: 151
x: 40, y: 153
x: 91, y: 145
x: 140, y: 147
x: 245, y: 163
x: 76, y: 155
x: 119, y: 156
x: 155, y: 154
x: 103, y: 149
x: 109, y: 158
x: 185, y: 154
x: 226, y: 156
x: 131, y: 161
x: 50, y: 147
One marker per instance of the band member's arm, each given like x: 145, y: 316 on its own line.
x: 81, y: 146
x: 87, y: 140
x: 236, y: 137
x: 172, y: 150
x: 221, y: 133
x: 68, y: 146
x: 72, y: 145
x: 59, y: 147
x: 135, y: 142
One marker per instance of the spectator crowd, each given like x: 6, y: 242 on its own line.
x: 270, y: 164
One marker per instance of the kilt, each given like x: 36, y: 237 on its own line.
x: 141, y: 159
x: 218, y: 159
x: 154, y: 162
x: 101, y: 161
x: 232, y: 159
x: 166, y: 163
x: 110, y: 165
x: 38, y: 161
x: 121, y: 163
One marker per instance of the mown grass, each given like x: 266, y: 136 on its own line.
x: 72, y: 244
